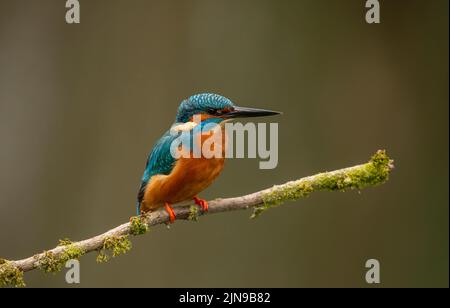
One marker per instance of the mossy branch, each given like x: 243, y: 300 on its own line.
x: 117, y: 241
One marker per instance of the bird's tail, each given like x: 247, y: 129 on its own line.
x: 138, y: 208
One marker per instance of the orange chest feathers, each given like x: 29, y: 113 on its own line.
x: 189, y: 176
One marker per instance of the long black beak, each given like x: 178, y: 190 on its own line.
x: 244, y: 112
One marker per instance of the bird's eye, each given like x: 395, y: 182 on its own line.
x: 212, y: 111
x: 215, y: 112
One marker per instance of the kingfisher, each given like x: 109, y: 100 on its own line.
x: 169, y: 179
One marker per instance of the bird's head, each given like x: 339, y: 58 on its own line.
x: 215, y: 108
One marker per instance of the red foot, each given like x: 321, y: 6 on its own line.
x: 171, y: 213
x: 202, y: 203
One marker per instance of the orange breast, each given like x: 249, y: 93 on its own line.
x: 188, y: 178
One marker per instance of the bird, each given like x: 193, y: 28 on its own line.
x: 169, y: 179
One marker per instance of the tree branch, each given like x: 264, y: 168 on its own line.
x: 116, y: 241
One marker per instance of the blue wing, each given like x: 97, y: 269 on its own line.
x: 159, y: 161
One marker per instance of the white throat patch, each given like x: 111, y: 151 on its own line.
x: 184, y: 127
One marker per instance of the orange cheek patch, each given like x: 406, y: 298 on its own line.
x: 202, y: 117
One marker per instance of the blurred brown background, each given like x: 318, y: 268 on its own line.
x: 81, y: 105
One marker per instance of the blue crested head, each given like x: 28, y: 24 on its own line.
x: 216, y: 108
x: 205, y: 103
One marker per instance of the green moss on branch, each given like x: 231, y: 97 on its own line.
x: 117, y: 245
x: 65, y: 242
x: 373, y: 173
x: 10, y: 275
x: 52, y: 263
x: 193, y: 213
x: 138, y: 226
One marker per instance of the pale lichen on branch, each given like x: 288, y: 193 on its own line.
x: 117, y: 241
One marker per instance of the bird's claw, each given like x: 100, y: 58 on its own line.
x: 202, y: 203
x: 171, y: 213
